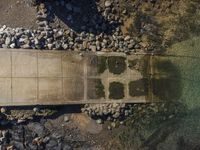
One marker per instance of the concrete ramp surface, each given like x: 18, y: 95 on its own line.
x: 32, y: 77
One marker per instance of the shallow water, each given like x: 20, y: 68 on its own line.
x: 175, y: 80
x: 185, y: 56
x: 178, y: 79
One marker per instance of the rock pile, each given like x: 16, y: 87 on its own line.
x: 60, y: 39
x: 110, y: 112
x: 119, y: 113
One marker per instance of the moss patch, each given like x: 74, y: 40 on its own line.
x: 133, y: 64
x: 99, y: 89
x: 116, y: 90
x: 138, y: 87
x: 116, y: 64
x: 95, y: 89
x: 101, y: 64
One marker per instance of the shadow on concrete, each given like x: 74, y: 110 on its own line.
x: 81, y: 15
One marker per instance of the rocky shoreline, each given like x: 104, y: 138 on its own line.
x: 102, y: 32
x: 35, y: 129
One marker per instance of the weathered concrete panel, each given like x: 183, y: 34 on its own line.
x: 72, y: 65
x: 24, y: 64
x: 49, y: 64
x: 5, y: 90
x: 5, y: 64
x: 24, y: 90
x: 73, y: 89
x: 50, y: 89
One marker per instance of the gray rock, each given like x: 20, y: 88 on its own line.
x: 26, y: 46
x: 99, y: 121
x: 131, y: 46
x: 8, y: 41
x: 93, y: 48
x: 3, y: 110
x: 37, y: 128
x: 66, y: 118
x: 127, y: 38
x: 41, y: 17
x: 46, y: 139
x: 113, y: 124
x: 36, y: 109
x: 13, y: 45
x: 109, y: 127
x: 65, y: 46
x: 108, y: 3
x: 21, y: 121
x: 50, y: 46
x: 51, y: 144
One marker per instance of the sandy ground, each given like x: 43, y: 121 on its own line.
x: 16, y: 13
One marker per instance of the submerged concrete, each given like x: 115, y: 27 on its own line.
x: 32, y: 77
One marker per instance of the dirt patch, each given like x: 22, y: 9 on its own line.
x: 17, y: 14
x: 86, y: 124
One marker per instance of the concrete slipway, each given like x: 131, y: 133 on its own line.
x: 33, y: 77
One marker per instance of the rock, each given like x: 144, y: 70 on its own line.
x: 124, y: 12
x: 50, y: 46
x: 36, y: 109
x: 109, y: 128
x: 65, y: 46
x: 108, y: 3
x: 66, y: 118
x: 99, y: 121
x: 121, y: 122
x: 21, y: 121
x: 13, y: 45
x: 51, y: 144
x: 67, y: 147
x: 3, y: 110
x: 37, y: 128
x: 113, y: 124
x: 46, y: 139
x: 127, y: 38
x: 93, y: 48
x: 26, y: 46
x: 8, y: 41
x: 131, y: 46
